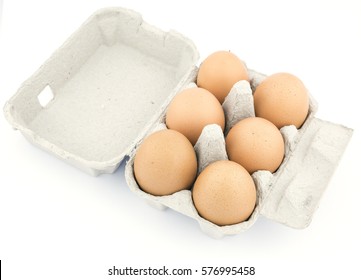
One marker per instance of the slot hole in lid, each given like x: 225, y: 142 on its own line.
x: 45, y: 96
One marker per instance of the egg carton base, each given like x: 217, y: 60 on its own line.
x: 290, y: 198
x: 290, y: 195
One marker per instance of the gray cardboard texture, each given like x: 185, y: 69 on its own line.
x: 291, y: 194
x: 112, y: 81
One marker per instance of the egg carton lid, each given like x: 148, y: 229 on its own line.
x: 106, y: 87
x: 101, y: 91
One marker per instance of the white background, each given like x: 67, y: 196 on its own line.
x: 59, y: 223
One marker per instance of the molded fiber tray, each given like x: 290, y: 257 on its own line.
x: 109, y: 85
x: 111, y: 80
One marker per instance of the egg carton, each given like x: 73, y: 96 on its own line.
x: 291, y: 194
x: 108, y: 86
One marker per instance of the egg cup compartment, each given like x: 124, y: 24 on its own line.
x: 110, y: 84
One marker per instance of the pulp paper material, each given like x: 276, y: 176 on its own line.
x: 238, y: 104
x: 296, y: 191
x: 112, y: 81
x: 291, y: 194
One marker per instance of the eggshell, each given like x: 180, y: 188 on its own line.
x: 282, y: 99
x: 165, y: 163
x: 191, y: 110
x: 219, y: 72
x: 256, y: 144
x: 224, y: 193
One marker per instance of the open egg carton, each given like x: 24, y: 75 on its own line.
x: 109, y: 85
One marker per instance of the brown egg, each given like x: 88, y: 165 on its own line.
x: 219, y: 72
x: 256, y: 144
x: 282, y: 99
x: 165, y: 163
x: 191, y: 110
x: 224, y: 193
